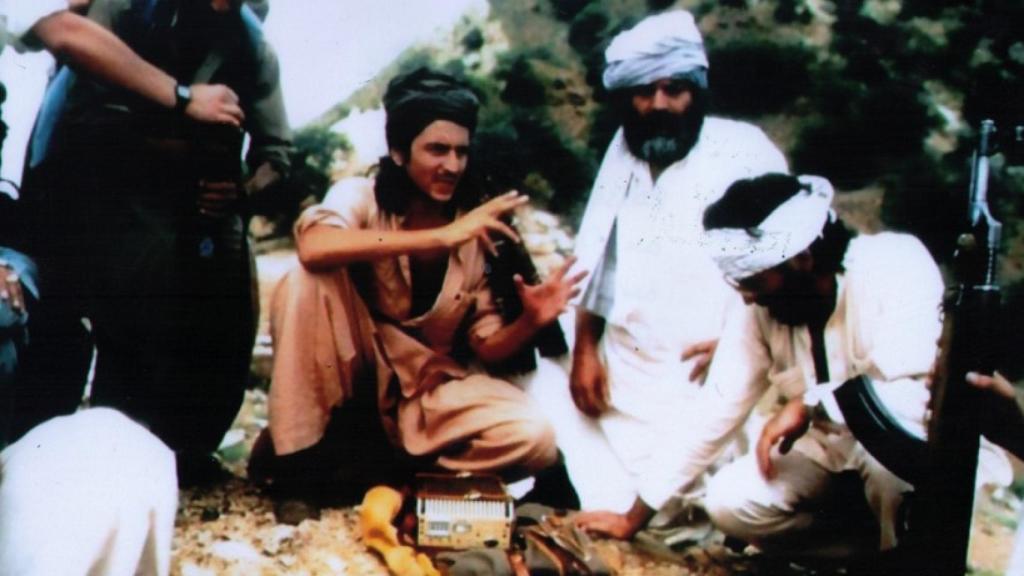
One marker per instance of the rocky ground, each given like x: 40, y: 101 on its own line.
x: 230, y: 529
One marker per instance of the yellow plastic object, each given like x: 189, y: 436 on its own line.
x: 380, y: 506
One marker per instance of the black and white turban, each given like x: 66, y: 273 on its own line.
x: 787, y: 231
x: 666, y: 45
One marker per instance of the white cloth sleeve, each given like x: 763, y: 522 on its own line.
x: 21, y: 15
x: 93, y: 492
x: 735, y: 383
x: 600, y: 293
x: 898, y: 304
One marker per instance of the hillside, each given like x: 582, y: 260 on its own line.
x: 880, y: 96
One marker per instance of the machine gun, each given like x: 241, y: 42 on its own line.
x: 942, y: 469
x: 944, y: 503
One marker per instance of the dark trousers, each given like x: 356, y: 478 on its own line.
x: 167, y: 293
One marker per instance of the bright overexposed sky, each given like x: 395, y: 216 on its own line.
x: 327, y: 49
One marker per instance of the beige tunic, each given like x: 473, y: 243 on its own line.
x: 335, y: 332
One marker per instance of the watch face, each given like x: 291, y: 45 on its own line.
x: 182, y: 96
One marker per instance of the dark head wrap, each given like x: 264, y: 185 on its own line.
x: 416, y: 99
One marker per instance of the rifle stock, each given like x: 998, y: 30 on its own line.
x: 942, y: 470
x: 940, y: 523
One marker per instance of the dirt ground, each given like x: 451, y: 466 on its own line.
x: 230, y: 529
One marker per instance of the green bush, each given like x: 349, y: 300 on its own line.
x: 587, y: 29
x: 754, y: 77
x: 522, y: 85
x: 473, y: 40
x: 566, y: 10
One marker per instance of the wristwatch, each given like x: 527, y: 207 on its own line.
x: 182, y: 96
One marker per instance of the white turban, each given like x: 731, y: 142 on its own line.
x: 788, y: 230
x: 666, y: 45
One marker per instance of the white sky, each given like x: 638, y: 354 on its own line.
x: 327, y: 48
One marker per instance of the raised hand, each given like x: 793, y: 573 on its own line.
x: 545, y: 302
x: 215, y: 104
x: 482, y: 220
x: 788, y: 425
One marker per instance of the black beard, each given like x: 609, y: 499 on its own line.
x: 792, y: 309
x: 798, y: 303
x: 661, y: 137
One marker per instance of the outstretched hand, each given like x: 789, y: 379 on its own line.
x: 482, y: 220
x: 788, y: 425
x: 610, y: 524
x: 996, y: 383
x: 545, y: 302
x: 1004, y: 423
x: 703, y: 352
x: 215, y: 104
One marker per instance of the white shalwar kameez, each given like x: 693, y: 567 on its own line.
x: 90, y: 493
x: 17, y: 17
x: 886, y: 325
x: 659, y: 293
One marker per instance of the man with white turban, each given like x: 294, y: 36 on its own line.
x: 654, y: 304
x: 823, y: 306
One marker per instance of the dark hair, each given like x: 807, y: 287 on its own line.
x: 392, y: 188
x: 748, y: 202
x: 829, y: 250
x: 414, y: 100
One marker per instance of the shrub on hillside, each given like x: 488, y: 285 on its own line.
x: 566, y: 10
x: 754, y: 77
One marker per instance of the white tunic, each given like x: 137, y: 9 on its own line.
x: 886, y: 325
x: 17, y: 17
x: 90, y: 493
x: 652, y: 281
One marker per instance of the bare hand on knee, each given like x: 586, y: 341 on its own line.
x: 788, y: 425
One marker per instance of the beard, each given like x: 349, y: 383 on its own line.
x: 798, y: 302
x: 662, y: 137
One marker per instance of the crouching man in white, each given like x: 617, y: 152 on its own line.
x: 90, y: 493
x: 823, y: 306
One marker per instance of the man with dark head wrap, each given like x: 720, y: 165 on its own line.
x: 654, y: 306
x: 390, y: 314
